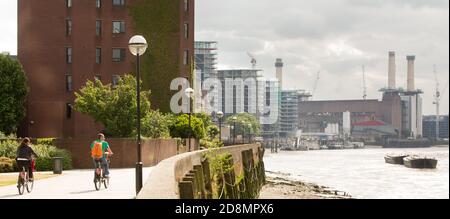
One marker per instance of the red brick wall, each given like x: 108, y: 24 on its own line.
x: 125, y: 151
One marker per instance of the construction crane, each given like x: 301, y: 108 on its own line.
x: 315, y: 84
x: 364, y: 83
x: 437, y: 100
x: 253, y: 60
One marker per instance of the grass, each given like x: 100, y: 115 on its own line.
x: 8, y: 180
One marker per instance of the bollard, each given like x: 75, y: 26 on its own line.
x: 57, y: 165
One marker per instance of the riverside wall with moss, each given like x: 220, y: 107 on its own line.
x: 235, y: 172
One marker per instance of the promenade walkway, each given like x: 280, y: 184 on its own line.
x: 78, y: 184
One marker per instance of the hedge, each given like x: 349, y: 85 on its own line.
x: 46, y: 153
x: 6, y: 165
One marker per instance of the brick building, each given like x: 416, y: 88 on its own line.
x: 64, y: 43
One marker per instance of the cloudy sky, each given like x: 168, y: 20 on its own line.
x: 335, y: 37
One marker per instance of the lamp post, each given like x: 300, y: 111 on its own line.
x: 234, y: 119
x: 220, y: 116
x: 190, y: 93
x: 250, y: 133
x: 243, y: 130
x: 138, y: 45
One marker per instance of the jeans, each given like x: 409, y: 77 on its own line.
x: 104, y: 164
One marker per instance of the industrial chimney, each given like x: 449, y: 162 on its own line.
x: 392, y: 71
x: 279, y: 71
x: 411, y: 83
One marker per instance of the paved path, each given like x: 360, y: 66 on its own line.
x: 78, y: 184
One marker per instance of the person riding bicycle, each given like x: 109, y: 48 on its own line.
x: 100, y: 151
x: 24, y: 151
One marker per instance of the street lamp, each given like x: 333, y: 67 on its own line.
x: 234, y: 119
x: 138, y: 45
x: 190, y: 93
x: 220, y: 116
x: 243, y: 131
x: 249, y: 132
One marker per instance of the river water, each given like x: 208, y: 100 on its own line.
x: 364, y: 174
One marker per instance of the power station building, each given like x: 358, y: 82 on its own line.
x: 398, y: 114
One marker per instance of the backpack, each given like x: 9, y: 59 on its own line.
x: 97, y: 150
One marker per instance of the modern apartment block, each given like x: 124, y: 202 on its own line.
x: 238, y: 96
x: 205, y: 68
x: 64, y: 43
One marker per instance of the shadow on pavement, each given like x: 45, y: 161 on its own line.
x: 83, y: 192
x: 10, y: 196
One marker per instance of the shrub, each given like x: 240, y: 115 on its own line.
x: 8, y: 149
x: 6, y: 165
x: 45, y: 141
x: 156, y: 125
x: 46, y: 153
x: 5, y: 136
x: 180, y: 128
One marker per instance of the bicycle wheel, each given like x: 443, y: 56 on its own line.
x: 29, y: 186
x: 106, y: 182
x: 21, y: 184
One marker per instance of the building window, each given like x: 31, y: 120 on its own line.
x: 68, y: 27
x: 69, y: 55
x: 115, y: 80
x: 118, y: 2
x: 98, y: 55
x: 186, y: 57
x: 118, y: 55
x: 98, y: 27
x: 98, y: 78
x: 69, y: 83
x: 98, y: 3
x: 69, y: 110
x: 69, y: 3
x: 118, y: 26
x: 186, y: 5
x: 186, y: 30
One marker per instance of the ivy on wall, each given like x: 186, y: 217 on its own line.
x: 159, y: 22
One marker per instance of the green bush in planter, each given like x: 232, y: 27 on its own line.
x: 8, y: 149
x: 6, y: 165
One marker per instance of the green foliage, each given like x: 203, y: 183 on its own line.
x: 46, y: 154
x: 211, y: 144
x: 115, y: 107
x: 156, y: 125
x: 243, y: 119
x: 44, y: 162
x: 45, y: 141
x: 8, y: 148
x: 6, y: 165
x: 212, y: 132
x: 13, y: 92
x: 10, y: 136
x: 159, y: 22
x: 180, y: 128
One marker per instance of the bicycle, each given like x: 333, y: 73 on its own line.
x: 24, y: 179
x: 99, y: 176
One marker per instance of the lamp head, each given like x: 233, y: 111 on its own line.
x: 137, y: 45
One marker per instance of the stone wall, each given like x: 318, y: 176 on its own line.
x: 125, y: 151
x: 164, y: 180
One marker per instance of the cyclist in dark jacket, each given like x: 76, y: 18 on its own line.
x: 24, y: 151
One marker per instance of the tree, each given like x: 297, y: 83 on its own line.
x: 180, y: 128
x: 243, y: 119
x: 156, y: 125
x: 13, y: 92
x: 115, y: 108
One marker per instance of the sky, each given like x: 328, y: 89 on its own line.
x: 335, y: 37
